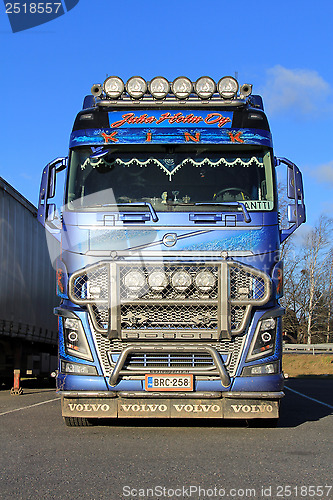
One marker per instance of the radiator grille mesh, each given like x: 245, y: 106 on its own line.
x: 169, y: 298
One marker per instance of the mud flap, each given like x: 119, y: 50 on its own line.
x: 251, y: 408
x: 89, y: 407
x: 169, y: 408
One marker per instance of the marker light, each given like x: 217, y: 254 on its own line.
x: 227, y: 87
x: 159, y: 87
x: 114, y: 87
x: 136, y: 87
x: 205, y: 281
x: 181, y: 280
x: 182, y: 87
x: 158, y: 280
x: 205, y: 87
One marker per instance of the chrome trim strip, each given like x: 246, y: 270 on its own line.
x: 253, y: 395
x: 87, y: 394
x: 187, y: 395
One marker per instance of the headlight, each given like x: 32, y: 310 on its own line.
x: 264, y: 369
x: 159, y: 87
x: 205, y: 281
x: 205, y: 87
x: 134, y: 280
x: 77, y: 368
x: 158, y: 280
x: 182, y: 87
x: 181, y: 280
x: 263, y: 343
x: 227, y: 87
x: 114, y: 87
x: 136, y: 87
x: 75, y: 339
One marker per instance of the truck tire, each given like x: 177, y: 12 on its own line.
x: 77, y: 421
x: 263, y: 422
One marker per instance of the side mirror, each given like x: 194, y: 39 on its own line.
x: 296, y: 210
x: 48, y: 187
x: 296, y: 214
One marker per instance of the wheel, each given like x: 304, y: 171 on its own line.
x: 77, y: 421
x: 267, y: 423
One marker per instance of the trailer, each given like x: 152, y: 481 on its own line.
x: 28, y: 329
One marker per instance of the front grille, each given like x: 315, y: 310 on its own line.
x: 156, y: 301
x: 110, y: 350
x: 169, y: 360
x: 168, y: 317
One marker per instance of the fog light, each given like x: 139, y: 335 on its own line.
x: 265, y: 369
x: 205, y: 281
x: 227, y: 87
x: 93, y: 291
x: 158, y: 280
x: 182, y: 87
x: 77, y: 368
x: 136, y: 87
x: 159, y: 87
x: 114, y: 87
x: 181, y: 280
x: 205, y: 87
x: 134, y: 281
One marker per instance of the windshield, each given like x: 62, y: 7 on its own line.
x: 170, y: 180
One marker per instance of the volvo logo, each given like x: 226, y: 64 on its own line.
x: 169, y: 239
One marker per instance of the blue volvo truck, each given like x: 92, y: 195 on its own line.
x: 168, y: 270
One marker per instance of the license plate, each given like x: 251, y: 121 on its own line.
x: 166, y: 382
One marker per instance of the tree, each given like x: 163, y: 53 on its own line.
x: 316, y: 254
x: 309, y: 284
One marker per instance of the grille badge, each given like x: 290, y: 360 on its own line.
x: 169, y: 239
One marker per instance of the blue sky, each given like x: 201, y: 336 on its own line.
x: 285, y: 49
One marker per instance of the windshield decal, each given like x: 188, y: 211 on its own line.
x: 168, y: 165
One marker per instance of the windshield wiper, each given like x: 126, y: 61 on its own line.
x: 135, y: 204
x: 246, y: 214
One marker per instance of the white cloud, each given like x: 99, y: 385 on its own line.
x: 324, y: 173
x: 303, y: 91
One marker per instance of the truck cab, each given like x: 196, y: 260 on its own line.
x: 169, y: 270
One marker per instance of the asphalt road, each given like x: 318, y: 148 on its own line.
x: 41, y: 458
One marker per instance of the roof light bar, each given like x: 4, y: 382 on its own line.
x: 182, y: 87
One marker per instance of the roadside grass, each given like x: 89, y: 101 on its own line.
x: 298, y: 365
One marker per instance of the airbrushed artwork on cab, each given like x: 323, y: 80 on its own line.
x: 255, y: 241
x: 181, y: 135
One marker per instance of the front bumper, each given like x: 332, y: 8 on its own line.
x: 230, y: 405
